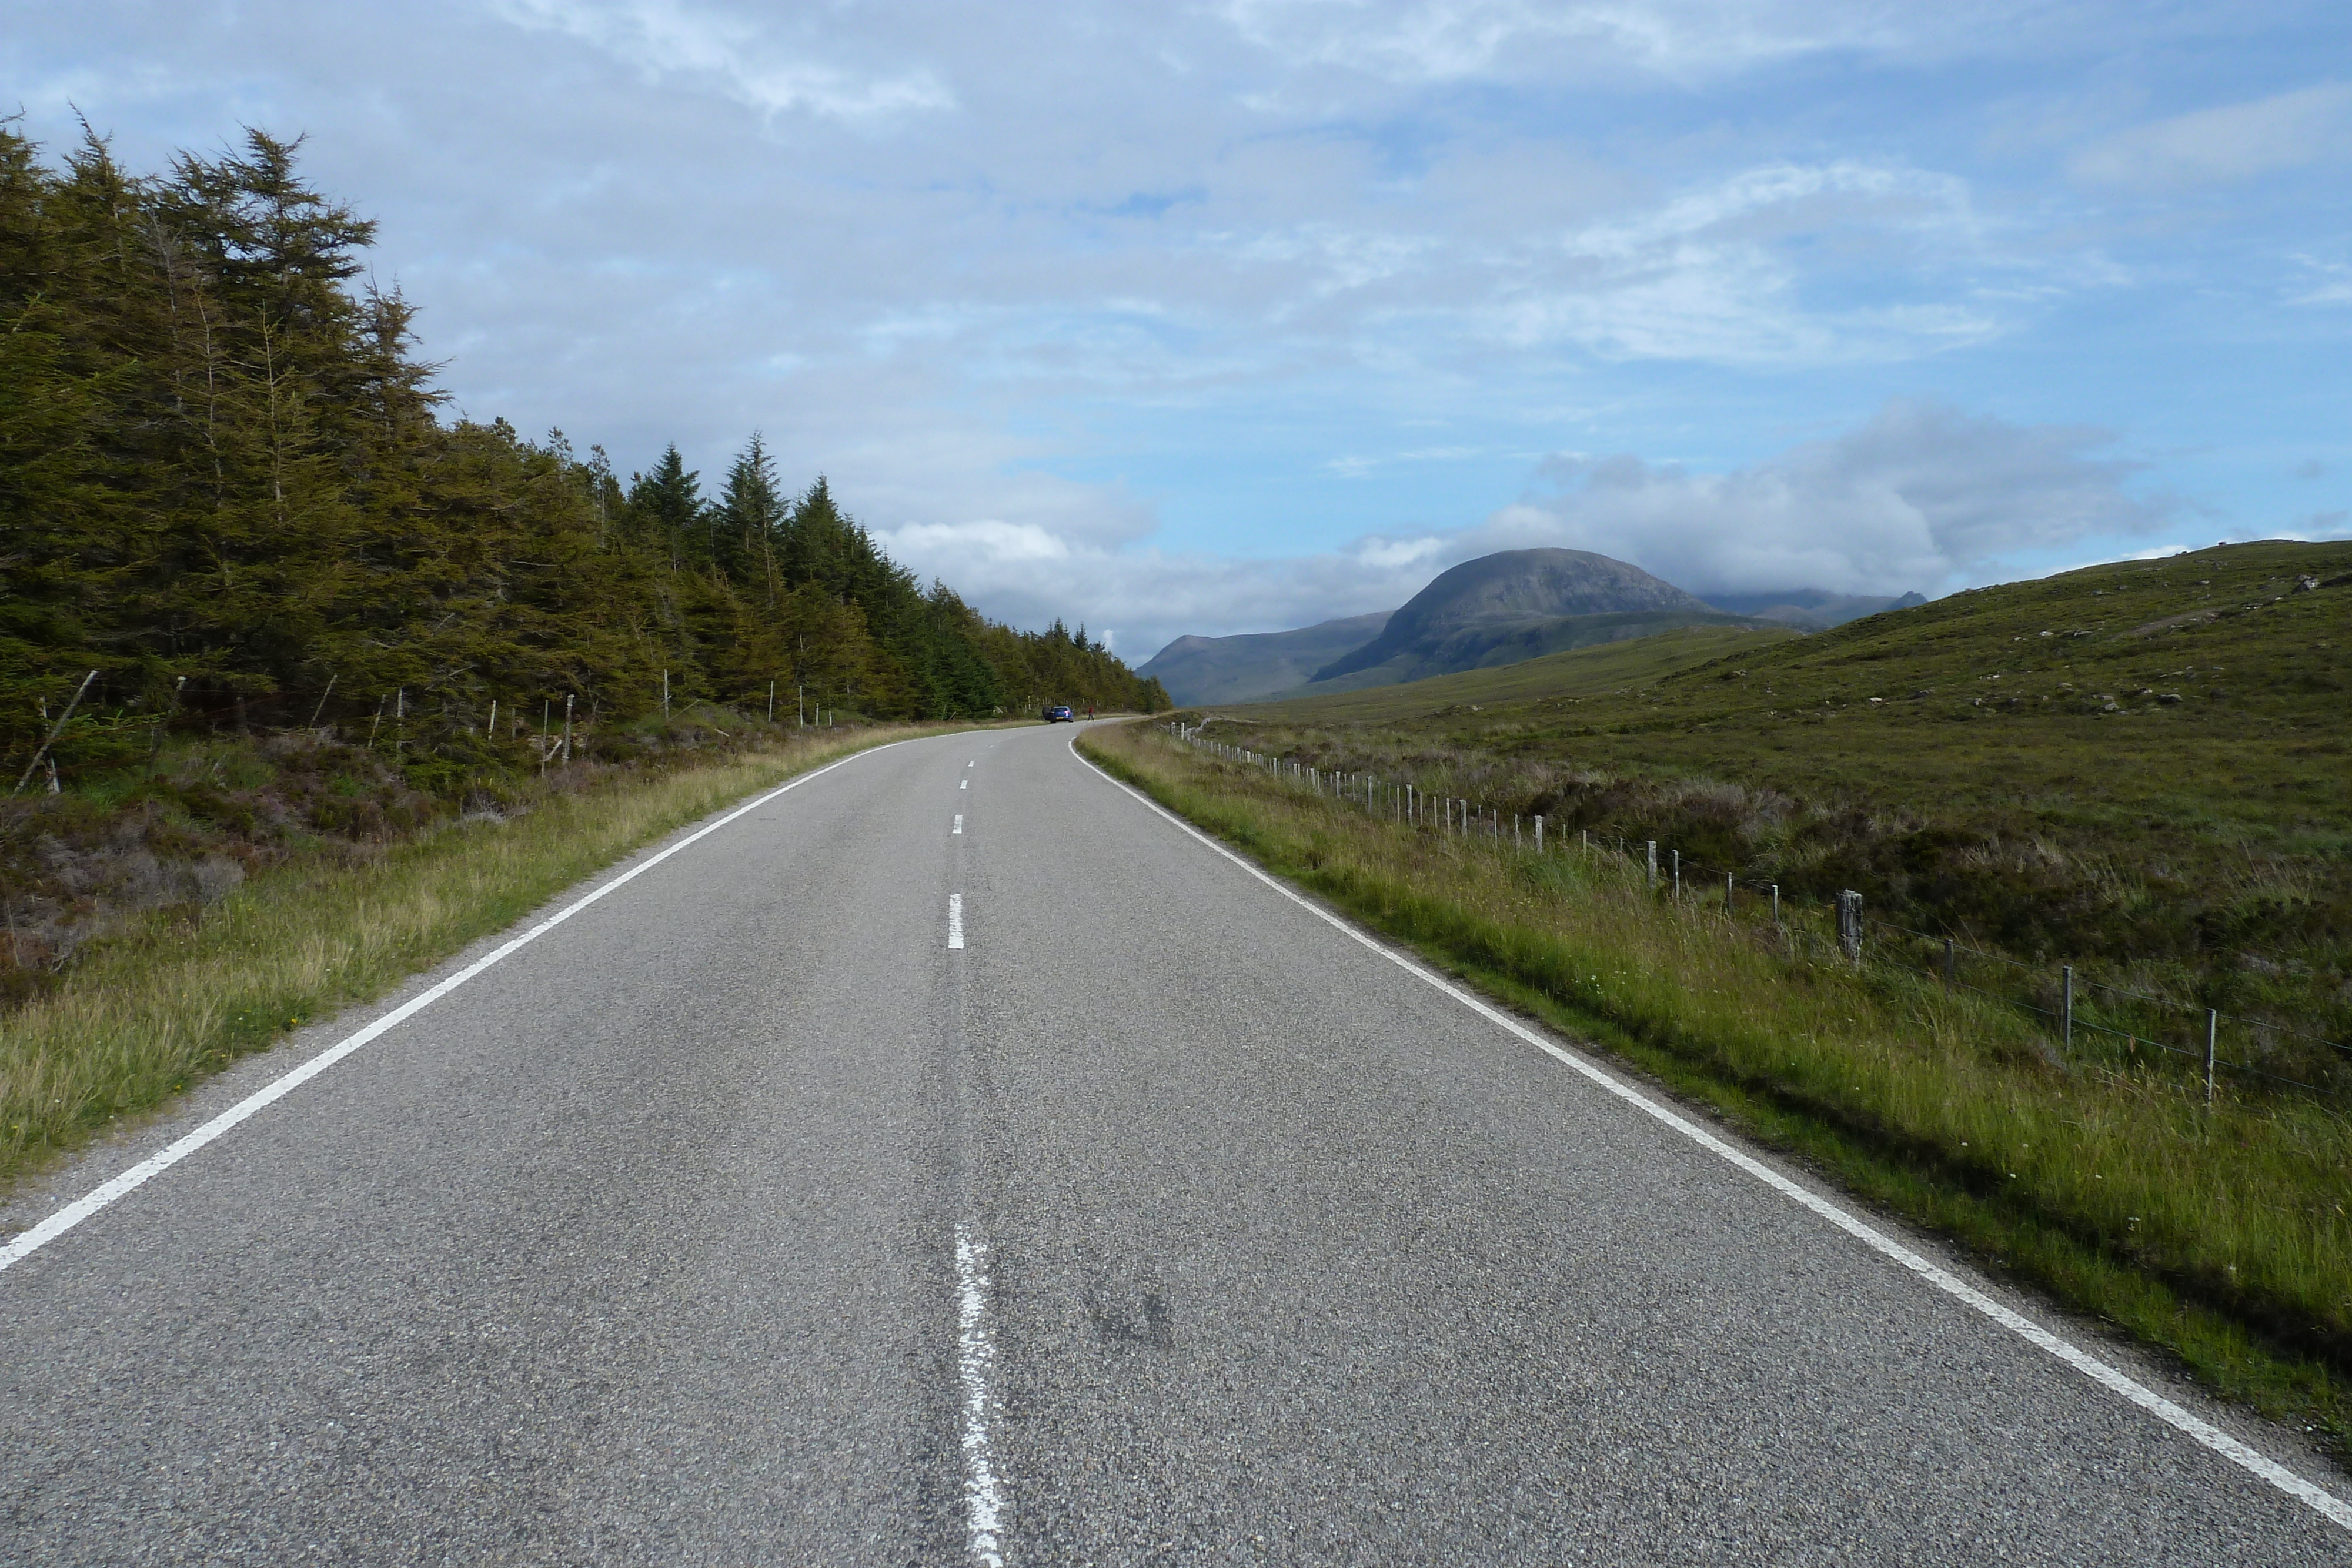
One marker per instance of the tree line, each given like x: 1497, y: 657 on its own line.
x: 227, y: 486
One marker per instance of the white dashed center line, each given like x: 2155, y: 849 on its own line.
x: 955, y: 919
x: 984, y: 1501
x: 959, y: 826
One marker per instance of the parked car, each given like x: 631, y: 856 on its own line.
x: 1058, y: 715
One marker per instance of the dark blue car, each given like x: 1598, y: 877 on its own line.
x: 1060, y: 716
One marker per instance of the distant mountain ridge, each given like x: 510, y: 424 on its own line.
x: 1488, y: 643
x: 1499, y: 609
x: 1813, y: 609
x: 1509, y: 590
x: 1254, y: 664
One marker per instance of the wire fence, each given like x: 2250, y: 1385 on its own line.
x: 2087, y: 1022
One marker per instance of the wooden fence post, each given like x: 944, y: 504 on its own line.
x: 2212, y: 1030
x: 54, y: 730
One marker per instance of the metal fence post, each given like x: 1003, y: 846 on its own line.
x: 1538, y: 833
x: 1653, y: 862
x: 1949, y: 954
x: 1678, y: 873
x: 2066, y: 1006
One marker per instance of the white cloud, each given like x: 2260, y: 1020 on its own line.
x: 2238, y: 141
x: 1689, y: 43
x: 1719, y: 274
x: 2331, y: 282
x: 669, y: 38
x: 1454, y: 40
x: 1746, y: 269
x: 1160, y: 595
x: 960, y: 546
x: 1921, y: 494
x: 1361, y: 466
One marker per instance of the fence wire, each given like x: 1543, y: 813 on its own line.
x: 1871, y: 940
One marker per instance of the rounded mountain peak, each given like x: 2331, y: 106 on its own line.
x: 1517, y: 585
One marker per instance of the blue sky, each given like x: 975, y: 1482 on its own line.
x: 1230, y: 316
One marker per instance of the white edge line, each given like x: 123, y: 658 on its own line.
x: 2082, y: 1360
x: 30, y: 1241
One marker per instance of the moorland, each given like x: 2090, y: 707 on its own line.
x: 2139, y: 768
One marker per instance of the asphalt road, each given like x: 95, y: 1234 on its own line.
x: 742, y: 1219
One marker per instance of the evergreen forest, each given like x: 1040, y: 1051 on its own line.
x: 227, y: 486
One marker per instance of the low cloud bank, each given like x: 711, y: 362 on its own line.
x: 1144, y: 598
x: 1922, y: 496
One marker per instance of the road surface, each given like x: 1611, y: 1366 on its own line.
x: 952, y: 1160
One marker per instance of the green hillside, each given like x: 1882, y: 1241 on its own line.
x: 1581, y: 672
x: 2141, y: 764
x: 1494, y: 642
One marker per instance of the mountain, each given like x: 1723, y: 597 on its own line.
x: 1812, y: 609
x: 1498, y: 610
x: 1509, y: 606
x: 1487, y: 644
x: 1197, y: 670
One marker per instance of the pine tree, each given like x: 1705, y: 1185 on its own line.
x: 753, y: 516
x: 226, y: 486
x: 668, y: 507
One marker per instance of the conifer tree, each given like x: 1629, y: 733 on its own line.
x: 668, y: 510
x: 752, y: 510
x: 226, y: 486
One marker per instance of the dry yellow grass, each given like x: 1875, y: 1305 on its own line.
x: 152, y: 1012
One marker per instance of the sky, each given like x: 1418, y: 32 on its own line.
x: 1242, y: 315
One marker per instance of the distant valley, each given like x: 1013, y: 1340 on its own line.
x: 1811, y: 608
x: 1257, y: 664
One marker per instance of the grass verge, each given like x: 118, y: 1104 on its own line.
x: 2220, y: 1237
x: 2136, y: 769
x: 152, y: 1011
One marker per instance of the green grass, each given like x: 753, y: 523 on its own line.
x: 148, y: 1012
x: 2001, y: 765
x: 2220, y: 1235
x: 1582, y: 671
